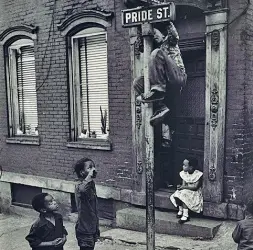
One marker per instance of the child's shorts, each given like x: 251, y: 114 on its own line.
x: 86, y: 240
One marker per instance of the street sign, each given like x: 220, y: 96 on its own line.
x: 151, y: 14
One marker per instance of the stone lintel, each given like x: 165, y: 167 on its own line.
x: 216, y: 17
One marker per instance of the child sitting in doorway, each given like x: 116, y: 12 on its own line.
x: 188, y: 195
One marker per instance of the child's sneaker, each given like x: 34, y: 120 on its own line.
x: 183, y: 220
x: 180, y: 212
x: 166, y: 143
x: 159, y: 116
x: 152, y: 96
x: 185, y: 216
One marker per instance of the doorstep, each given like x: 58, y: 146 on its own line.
x: 167, y: 223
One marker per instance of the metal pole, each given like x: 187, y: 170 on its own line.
x: 147, y: 32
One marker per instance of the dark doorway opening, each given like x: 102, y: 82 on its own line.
x: 187, y: 122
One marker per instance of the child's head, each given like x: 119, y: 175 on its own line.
x: 44, y: 203
x: 83, y: 167
x: 185, y: 165
x: 190, y: 164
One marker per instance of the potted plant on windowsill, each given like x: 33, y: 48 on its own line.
x: 84, y: 134
x: 103, y: 124
x: 93, y: 134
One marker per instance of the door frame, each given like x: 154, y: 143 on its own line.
x: 215, y: 112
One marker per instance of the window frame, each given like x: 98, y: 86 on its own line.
x: 11, y: 70
x: 74, y: 93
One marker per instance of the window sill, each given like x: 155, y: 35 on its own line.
x: 91, y: 143
x: 24, y: 139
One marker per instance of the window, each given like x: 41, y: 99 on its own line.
x: 89, y: 84
x: 22, y: 195
x: 21, y: 85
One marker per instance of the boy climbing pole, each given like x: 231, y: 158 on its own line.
x: 166, y: 68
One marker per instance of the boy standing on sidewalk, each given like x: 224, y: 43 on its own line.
x: 243, y: 233
x: 48, y: 232
x: 87, y: 226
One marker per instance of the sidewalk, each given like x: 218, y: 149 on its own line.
x: 13, y: 230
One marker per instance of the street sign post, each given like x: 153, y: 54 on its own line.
x: 151, y: 14
x: 146, y: 16
x: 147, y: 32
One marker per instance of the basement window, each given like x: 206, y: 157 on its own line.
x: 22, y: 195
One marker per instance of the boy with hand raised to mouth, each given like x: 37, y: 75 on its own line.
x: 87, y: 226
x: 48, y: 232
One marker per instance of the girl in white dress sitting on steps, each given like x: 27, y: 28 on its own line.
x: 189, y: 194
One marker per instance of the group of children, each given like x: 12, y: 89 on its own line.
x: 48, y: 232
x: 166, y: 67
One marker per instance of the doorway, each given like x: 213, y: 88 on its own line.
x: 187, y: 122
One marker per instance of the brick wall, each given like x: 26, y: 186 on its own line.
x: 52, y: 158
x: 236, y: 119
x: 247, y: 36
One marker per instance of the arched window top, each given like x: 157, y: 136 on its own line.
x: 21, y: 42
x: 84, y: 21
x: 90, y: 31
x: 13, y: 34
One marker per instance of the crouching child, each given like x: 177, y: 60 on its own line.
x: 87, y: 226
x: 48, y: 232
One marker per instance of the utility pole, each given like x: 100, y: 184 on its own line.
x: 145, y: 16
x: 147, y: 33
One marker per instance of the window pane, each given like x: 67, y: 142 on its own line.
x: 27, y: 97
x: 94, y: 81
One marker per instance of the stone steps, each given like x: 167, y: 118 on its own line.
x: 167, y: 223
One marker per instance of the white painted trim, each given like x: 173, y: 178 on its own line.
x: 94, y: 20
x: 216, y: 78
x: 18, y: 33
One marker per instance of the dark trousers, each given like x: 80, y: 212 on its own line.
x: 163, y: 71
x: 86, y: 248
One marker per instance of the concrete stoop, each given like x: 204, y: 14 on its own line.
x: 167, y: 223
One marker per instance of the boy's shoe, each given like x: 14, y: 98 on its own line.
x: 166, y: 143
x: 152, y: 96
x: 159, y: 116
x: 139, y: 98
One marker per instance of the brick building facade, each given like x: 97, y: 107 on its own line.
x: 45, y: 160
